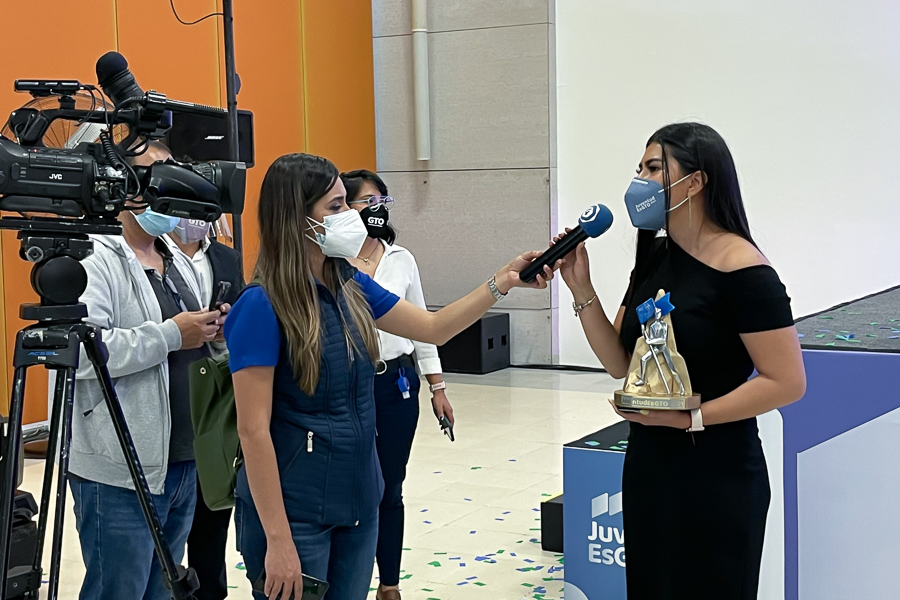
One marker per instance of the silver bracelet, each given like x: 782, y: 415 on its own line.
x: 580, y: 307
x: 492, y: 285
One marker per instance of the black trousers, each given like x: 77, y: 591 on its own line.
x: 395, y: 419
x: 206, y: 549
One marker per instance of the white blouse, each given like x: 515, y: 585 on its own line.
x: 398, y: 273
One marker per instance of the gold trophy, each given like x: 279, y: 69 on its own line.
x: 657, y: 377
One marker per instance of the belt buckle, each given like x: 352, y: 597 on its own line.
x: 380, y: 367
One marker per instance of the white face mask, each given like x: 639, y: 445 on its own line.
x: 345, y: 234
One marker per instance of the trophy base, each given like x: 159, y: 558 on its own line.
x: 623, y: 400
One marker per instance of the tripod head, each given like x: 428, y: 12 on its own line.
x: 56, y: 247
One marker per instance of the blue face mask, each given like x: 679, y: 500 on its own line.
x: 646, y: 202
x: 156, y: 224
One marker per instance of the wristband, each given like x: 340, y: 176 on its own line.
x: 442, y: 385
x: 696, y: 421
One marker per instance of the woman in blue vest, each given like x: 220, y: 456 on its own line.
x: 303, y: 349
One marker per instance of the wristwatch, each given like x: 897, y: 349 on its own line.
x: 492, y: 285
x: 696, y: 421
x: 438, y: 386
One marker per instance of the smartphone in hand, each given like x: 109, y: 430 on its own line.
x: 447, y: 428
x: 219, y: 297
x: 313, y: 589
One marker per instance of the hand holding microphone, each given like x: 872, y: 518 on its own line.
x: 594, y: 222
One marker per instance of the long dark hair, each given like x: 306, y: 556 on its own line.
x: 353, y: 182
x: 292, y: 185
x: 698, y: 147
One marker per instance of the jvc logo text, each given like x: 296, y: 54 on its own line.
x: 56, y: 176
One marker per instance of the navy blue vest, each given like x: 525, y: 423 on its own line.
x: 325, y: 443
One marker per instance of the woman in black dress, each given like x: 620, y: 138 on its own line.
x: 695, y: 502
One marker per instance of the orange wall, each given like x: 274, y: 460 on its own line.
x: 339, y: 81
x: 94, y: 22
x: 305, y: 68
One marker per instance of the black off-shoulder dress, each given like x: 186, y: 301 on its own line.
x: 695, y: 505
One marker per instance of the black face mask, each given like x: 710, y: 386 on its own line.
x: 376, y: 220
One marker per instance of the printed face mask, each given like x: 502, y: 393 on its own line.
x: 345, y: 234
x: 191, y: 230
x: 376, y: 219
x: 646, y: 202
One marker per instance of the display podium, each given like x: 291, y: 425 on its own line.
x: 593, y: 539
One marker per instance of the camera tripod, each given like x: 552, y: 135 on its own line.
x: 56, y: 246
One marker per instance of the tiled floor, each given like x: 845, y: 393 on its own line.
x: 472, y: 520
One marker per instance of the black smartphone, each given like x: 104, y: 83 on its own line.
x: 313, y: 589
x: 447, y: 428
x: 219, y: 297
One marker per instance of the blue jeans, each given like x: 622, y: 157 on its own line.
x: 342, y: 556
x: 116, y: 545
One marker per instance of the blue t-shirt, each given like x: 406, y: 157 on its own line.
x: 252, y: 332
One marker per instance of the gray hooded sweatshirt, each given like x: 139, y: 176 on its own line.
x: 121, y: 302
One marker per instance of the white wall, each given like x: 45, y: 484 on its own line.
x: 807, y: 95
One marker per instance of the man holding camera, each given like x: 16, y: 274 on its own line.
x: 146, y: 300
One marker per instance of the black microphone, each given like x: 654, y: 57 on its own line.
x: 592, y: 223
x: 119, y: 84
x: 116, y: 80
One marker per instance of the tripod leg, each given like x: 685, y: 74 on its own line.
x: 182, y: 583
x: 8, y: 485
x: 65, y: 392
x: 56, y: 418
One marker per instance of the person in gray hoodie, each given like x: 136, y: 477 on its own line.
x: 154, y: 327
